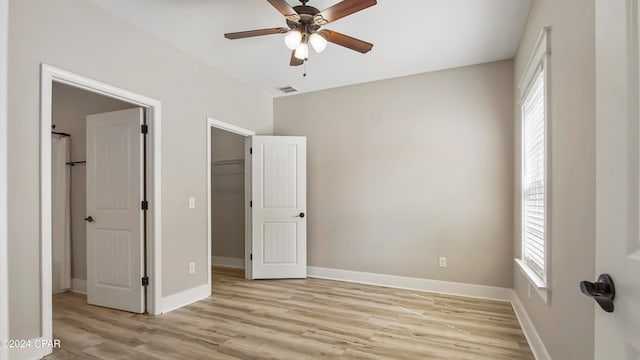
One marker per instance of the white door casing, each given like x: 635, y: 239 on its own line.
x: 279, y: 222
x: 114, y: 194
x: 617, y: 334
x: 248, y: 180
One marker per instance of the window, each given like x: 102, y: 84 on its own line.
x: 534, y: 103
x: 534, y: 176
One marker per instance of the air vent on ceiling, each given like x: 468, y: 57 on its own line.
x: 288, y: 89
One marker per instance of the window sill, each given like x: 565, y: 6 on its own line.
x: 535, y: 282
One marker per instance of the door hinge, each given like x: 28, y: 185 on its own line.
x: 250, y: 203
x: 251, y: 150
x: 145, y: 205
x: 144, y: 128
x: 251, y: 257
x: 145, y: 281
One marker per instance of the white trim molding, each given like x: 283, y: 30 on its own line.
x: 229, y: 262
x: 529, y: 330
x: 541, y: 50
x: 539, y: 61
x: 4, y: 249
x: 32, y: 352
x: 534, y: 280
x: 184, y: 298
x: 229, y: 127
x: 412, y: 283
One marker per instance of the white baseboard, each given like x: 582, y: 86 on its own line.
x: 411, y: 283
x: 31, y: 352
x: 443, y: 287
x: 533, y: 338
x: 227, y: 262
x: 175, y: 301
x: 79, y: 286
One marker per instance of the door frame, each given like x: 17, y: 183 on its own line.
x: 4, y: 269
x: 49, y: 75
x: 213, y: 123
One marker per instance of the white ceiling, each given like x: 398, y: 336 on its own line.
x: 409, y: 37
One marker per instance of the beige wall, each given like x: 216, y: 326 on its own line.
x: 79, y: 37
x: 4, y: 269
x: 405, y: 170
x: 69, y: 110
x: 566, y: 324
x: 227, y: 195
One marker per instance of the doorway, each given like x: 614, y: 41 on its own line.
x: 70, y: 107
x: 228, y: 194
x: 152, y: 112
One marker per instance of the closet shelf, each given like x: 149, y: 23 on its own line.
x: 228, y: 162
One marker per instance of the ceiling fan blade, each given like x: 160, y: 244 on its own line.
x: 294, y: 60
x: 347, y: 41
x: 251, y: 33
x: 342, y: 9
x: 285, y: 9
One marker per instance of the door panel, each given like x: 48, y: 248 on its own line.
x: 617, y: 334
x: 279, y: 231
x: 279, y: 245
x: 114, y: 195
x: 279, y: 190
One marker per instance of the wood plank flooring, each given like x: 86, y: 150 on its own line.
x: 294, y: 319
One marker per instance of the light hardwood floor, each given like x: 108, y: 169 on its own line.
x: 294, y: 319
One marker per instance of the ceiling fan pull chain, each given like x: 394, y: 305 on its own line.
x: 305, y: 70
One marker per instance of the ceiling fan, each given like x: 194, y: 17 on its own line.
x: 304, y: 24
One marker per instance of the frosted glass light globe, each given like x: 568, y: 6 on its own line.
x: 302, y: 52
x: 318, y: 42
x: 292, y: 40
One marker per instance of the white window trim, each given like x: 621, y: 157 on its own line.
x: 540, y: 57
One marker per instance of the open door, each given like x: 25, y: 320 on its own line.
x: 617, y: 333
x: 279, y: 205
x: 115, y: 190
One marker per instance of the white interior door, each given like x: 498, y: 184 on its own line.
x: 279, y: 195
x: 114, y: 196
x: 617, y: 334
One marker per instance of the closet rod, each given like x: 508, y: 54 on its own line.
x: 61, y: 133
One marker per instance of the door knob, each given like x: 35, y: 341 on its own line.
x: 602, y: 291
x: 89, y: 219
x: 301, y: 215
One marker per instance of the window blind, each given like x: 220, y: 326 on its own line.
x: 533, y: 176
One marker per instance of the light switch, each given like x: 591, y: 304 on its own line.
x: 192, y: 203
x: 443, y: 262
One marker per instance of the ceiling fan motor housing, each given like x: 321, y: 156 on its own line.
x: 306, y: 18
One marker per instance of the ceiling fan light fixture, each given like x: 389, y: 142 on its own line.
x: 293, y: 39
x: 318, y: 42
x: 302, y: 52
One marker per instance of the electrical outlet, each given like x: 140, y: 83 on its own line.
x: 443, y: 262
x: 192, y: 268
x: 192, y: 203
